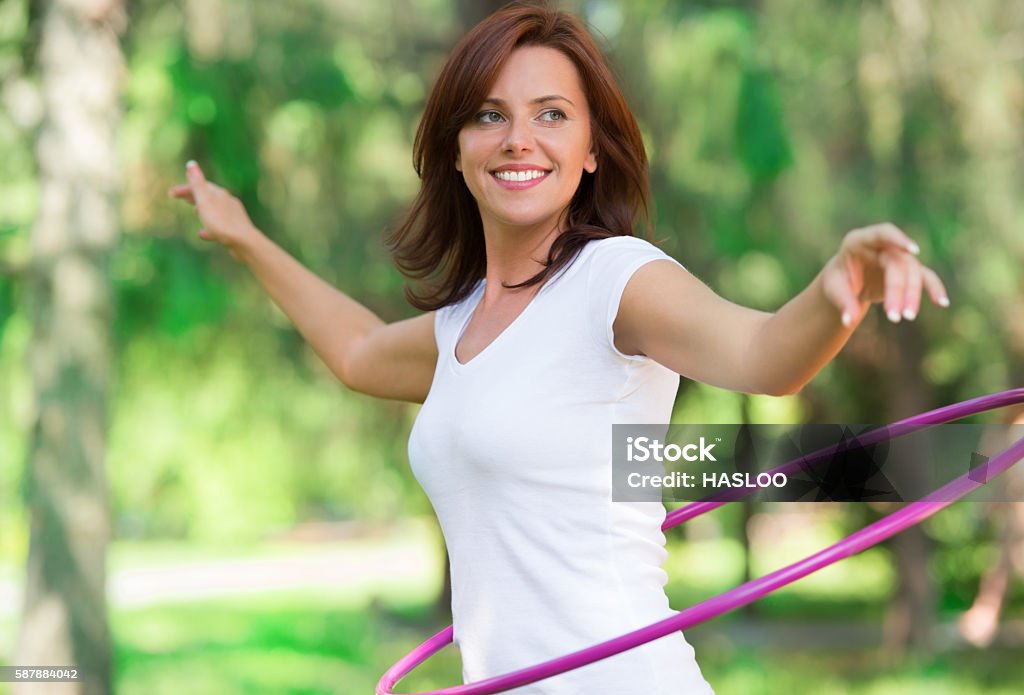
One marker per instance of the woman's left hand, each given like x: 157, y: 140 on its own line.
x: 879, y: 263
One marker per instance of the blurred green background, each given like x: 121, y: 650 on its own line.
x: 268, y: 534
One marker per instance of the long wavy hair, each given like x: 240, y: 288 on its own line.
x: 441, y: 238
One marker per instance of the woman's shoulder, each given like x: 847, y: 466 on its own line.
x: 625, y: 239
x: 620, y: 252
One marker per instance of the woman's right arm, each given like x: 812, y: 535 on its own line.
x: 393, y: 361
x: 387, y: 360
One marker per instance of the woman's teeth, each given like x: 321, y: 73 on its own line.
x: 519, y: 175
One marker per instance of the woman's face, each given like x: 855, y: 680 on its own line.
x: 535, y: 125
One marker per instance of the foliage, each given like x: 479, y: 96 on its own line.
x: 773, y: 128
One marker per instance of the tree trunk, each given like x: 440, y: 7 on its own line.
x: 64, y: 618
x: 979, y: 625
x: 910, y: 621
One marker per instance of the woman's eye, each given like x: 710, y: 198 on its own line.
x: 561, y: 116
x: 483, y: 116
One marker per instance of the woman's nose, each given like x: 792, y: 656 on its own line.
x: 518, y: 136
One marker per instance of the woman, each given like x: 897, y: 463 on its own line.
x: 546, y: 323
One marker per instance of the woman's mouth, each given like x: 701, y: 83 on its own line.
x: 518, y: 180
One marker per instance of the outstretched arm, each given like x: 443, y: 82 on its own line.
x: 672, y: 317
x: 366, y: 354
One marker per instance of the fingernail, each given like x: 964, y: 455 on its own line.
x: 909, y: 314
x: 846, y: 319
x: 914, y: 248
x: 190, y: 163
x: 894, y: 316
x: 944, y: 301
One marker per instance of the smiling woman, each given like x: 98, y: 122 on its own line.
x: 526, y: 91
x: 533, y: 175
x: 547, y: 321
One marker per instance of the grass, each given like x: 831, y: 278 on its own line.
x: 302, y: 644
x: 286, y: 644
x: 340, y: 641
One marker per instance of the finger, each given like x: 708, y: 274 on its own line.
x: 195, y: 177
x: 888, y: 234
x: 895, y: 285
x: 891, y: 234
x: 936, y: 290
x: 183, y: 191
x: 851, y: 312
x: 840, y: 288
x: 912, y: 292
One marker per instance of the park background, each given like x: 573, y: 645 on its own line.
x: 267, y: 535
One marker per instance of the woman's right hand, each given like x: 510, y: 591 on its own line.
x: 223, y: 216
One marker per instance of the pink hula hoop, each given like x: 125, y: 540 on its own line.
x: 912, y: 513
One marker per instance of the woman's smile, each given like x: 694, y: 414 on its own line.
x: 518, y: 179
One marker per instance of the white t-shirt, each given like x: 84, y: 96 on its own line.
x: 514, y: 449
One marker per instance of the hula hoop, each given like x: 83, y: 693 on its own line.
x: 912, y: 513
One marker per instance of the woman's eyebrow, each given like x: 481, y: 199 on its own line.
x: 539, y: 100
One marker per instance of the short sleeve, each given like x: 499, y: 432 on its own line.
x: 610, y: 267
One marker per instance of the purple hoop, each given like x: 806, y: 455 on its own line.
x: 912, y: 513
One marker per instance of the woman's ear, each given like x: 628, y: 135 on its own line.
x: 590, y: 163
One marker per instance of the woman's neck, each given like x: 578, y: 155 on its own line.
x: 515, y: 254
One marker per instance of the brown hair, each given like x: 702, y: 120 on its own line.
x: 442, y: 233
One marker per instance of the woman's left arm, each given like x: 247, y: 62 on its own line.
x: 669, y: 315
